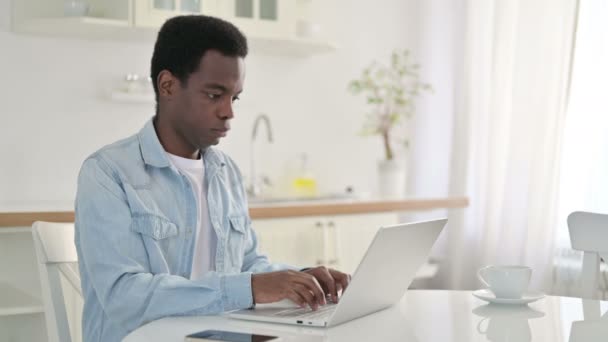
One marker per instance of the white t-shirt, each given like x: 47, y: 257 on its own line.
x: 205, y: 244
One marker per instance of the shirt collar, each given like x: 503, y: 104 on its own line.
x: 153, y: 153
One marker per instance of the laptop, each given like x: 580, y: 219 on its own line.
x: 381, y: 279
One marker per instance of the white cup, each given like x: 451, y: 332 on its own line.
x: 508, y: 282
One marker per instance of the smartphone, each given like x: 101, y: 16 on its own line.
x: 228, y: 336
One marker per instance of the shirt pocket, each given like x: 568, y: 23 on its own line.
x: 154, y: 227
x: 161, y: 243
x: 237, y: 238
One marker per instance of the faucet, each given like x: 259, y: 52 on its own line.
x: 255, y: 186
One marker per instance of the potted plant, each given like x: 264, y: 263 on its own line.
x: 390, y: 91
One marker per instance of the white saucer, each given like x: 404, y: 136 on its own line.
x: 528, y: 297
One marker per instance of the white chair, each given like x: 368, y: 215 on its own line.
x: 589, y: 233
x: 56, y: 252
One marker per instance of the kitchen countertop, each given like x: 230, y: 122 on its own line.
x: 25, y: 215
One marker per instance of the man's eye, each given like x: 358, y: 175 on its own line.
x: 213, y: 96
x: 234, y: 99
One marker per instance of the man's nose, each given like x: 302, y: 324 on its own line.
x: 227, y: 111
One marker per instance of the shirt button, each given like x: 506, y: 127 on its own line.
x: 189, y: 231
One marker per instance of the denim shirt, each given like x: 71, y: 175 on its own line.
x: 135, y: 233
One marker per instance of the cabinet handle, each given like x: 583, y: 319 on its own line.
x: 336, y: 244
x: 321, y: 242
x: 330, y: 253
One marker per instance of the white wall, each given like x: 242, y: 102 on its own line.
x: 54, y: 111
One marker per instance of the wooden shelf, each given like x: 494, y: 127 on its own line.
x: 274, y: 210
x: 16, y: 302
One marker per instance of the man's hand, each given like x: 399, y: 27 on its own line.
x: 331, y: 281
x: 300, y: 287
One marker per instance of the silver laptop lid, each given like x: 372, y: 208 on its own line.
x: 387, y: 269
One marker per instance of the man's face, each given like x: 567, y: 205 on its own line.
x: 203, y: 106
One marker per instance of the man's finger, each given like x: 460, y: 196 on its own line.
x: 297, y: 298
x: 345, y: 280
x: 339, y: 287
x: 307, y: 295
x: 325, y: 278
x: 342, y: 278
x: 312, y: 284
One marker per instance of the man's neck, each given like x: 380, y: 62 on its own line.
x: 173, y: 142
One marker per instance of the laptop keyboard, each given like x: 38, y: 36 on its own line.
x: 307, y: 313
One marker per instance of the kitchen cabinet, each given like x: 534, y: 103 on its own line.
x: 153, y: 13
x: 270, y: 25
x: 258, y: 18
x: 335, y: 241
x: 103, y: 19
x: 262, y: 18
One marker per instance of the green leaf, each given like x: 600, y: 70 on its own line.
x: 391, y: 86
x: 394, y: 117
x: 354, y: 87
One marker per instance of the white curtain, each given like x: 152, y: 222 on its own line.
x: 584, y: 166
x: 510, y: 111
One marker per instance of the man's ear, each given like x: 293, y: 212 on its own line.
x: 167, y: 84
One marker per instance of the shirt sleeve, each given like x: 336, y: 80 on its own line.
x: 116, y: 270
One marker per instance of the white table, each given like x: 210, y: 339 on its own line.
x: 422, y: 315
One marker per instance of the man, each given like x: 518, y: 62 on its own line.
x: 162, y: 224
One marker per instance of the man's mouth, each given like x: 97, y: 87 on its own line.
x: 220, y: 131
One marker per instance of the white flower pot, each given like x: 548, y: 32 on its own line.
x: 391, y: 178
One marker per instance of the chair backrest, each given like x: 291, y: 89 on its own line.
x: 589, y: 233
x: 55, y: 251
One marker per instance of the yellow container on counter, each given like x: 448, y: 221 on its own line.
x: 304, y: 184
x: 304, y: 187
